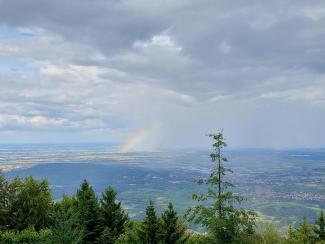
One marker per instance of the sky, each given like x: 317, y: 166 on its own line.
x: 169, y: 71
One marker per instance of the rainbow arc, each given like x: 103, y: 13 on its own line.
x: 139, y: 137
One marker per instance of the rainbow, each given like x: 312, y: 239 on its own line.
x: 139, y: 137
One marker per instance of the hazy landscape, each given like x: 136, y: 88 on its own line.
x: 282, y: 185
x: 105, y: 106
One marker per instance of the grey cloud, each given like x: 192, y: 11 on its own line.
x: 225, y: 45
x: 109, y: 24
x: 120, y: 65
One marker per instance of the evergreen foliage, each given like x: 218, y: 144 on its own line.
x: 107, y: 237
x: 173, y: 231
x: 216, y: 210
x: 320, y: 227
x: 27, y: 236
x: 149, y: 233
x: 268, y: 235
x: 131, y: 234
x: 72, y: 217
x: 88, y: 213
x: 304, y: 234
x: 114, y: 218
x: 65, y: 228
x: 199, y: 238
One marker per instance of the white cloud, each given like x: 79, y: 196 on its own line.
x: 12, y: 121
x: 163, y: 41
x: 43, y: 121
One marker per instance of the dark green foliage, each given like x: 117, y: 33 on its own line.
x: 172, y: 229
x: 200, y: 238
x: 30, y: 204
x: 149, y: 233
x: 8, y: 193
x: 88, y: 213
x: 131, y: 234
x: 320, y: 227
x: 303, y: 234
x: 114, y: 218
x: 292, y: 235
x: 24, y: 203
x: 268, y: 235
x: 107, y: 237
x: 66, y: 229
x: 28, y: 236
x: 216, y: 209
x: 3, y: 202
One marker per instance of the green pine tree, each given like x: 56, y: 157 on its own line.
x: 149, y: 233
x: 320, y: 226
x: 107, y: 237
x: 173, y: 230
x: 216, y: 210
x: 131, y: 234
x: 88, y: 213
x: 114, y: 218
x: 303, y: 234
x: 65, y: 228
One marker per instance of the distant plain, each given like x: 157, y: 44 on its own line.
x: 281, y: 185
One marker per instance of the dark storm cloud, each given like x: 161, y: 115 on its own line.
x: 109, y: 25
x: 225, y: 45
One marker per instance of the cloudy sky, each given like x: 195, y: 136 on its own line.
x: 103, y: 70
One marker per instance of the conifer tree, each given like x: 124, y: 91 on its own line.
x: 149, y: 233
x: 305, y: 232
x: 173, y: 231
x: 88, y: 213
x: 132, y: 234
x: 292, y: 234
x: 114, y: 218
x: 216, y: 210
x: 65, y: 228
x: 107, y: 237
x: 320, y: 227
